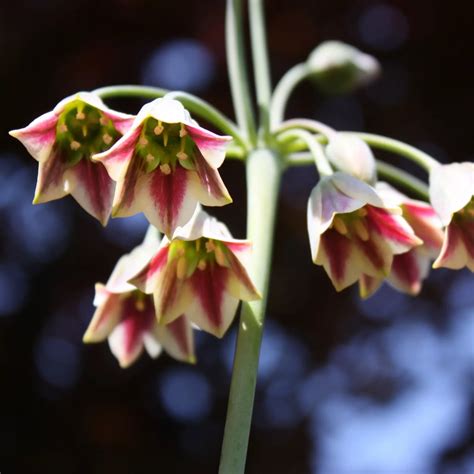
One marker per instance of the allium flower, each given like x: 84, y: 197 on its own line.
x: 165, y: 165
x: 201, y: 273
x: 409, y: 269
x: 126, y: 316
x: 352, y: 232
x: 63, y: 141
x: 451, y: 194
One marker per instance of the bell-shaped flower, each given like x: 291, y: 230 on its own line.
x: 201, y: 273
x: 452, y: 196
x: 126, y: 316
x: 165, y: 165
x: 63, y: 141
x: 409, y: 269
x: 353, y: 156
x: 353, y: 232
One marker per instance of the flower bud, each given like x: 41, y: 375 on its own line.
x: 353, y: 156
x: 338, y: 68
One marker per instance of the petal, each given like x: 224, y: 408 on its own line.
x: 117, y: 158
x: 211, y: 145
x: 148, y: 278
x: 127, y: 339
x: 453, y: 253
x: 107, y: 315
x: 167, y: 110
x: 213, y: 307
x: 408, y: 271
x: 451, y: 188
x: 374, y: 255
x: 177, y: 339
x: 38, y: 137
x: 51, y: 178
x: 92, y: 188
x: 209, y: 188
x: 240, y: 284
x: 368, y: 285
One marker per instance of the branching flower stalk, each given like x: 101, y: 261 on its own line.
x: 163, y: 163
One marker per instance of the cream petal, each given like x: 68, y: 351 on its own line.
x: 177, y: 339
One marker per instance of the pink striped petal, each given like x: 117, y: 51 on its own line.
x: 368, y: 285
x: 408, y: 271
x: 212, y: 307
x: 177, y: 339
x: 50, y: 184
x: 38, y: 137
x: 149, y: 278
x: 127, y: 339
x: 92, y: 188
x: 107, y: 315
x: 209, y: 189
x: 212, y: 146
x: 117, y: 158
x: 240, y: 284
x: 458, y: 248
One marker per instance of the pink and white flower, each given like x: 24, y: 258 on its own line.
x: 201, y: 273
x: 409, y: 269
x: 353, y: 232
x: 165, y: 165
x: 126, y: 316
x: 63, y: 141
x: 452, y: 196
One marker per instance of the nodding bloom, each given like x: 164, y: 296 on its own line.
x: 452, y: 196
x: 165, y: 165
x: 353, y: 232
x: 409, y: 269
x: 201, y: 273
x: 126, y: 316
x: 63, y: 141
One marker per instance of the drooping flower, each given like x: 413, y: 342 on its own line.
x: 452, y: 196
x: 165, y: 165
x: 126, y: 316
x: 352, y: 232
x: 409, y: 269
x: 63, y: 141
x: 200, y: 273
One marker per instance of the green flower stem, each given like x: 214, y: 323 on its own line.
x: 191, y: 102
x: 260, y: 63
x: 307, y: 124
x: 236, y: 65
x: 315, y: 148
x: 395, y: 146
x: 289, y: 144
x: 263, y: 181
x: 283, y: 90
x: 389, y: 172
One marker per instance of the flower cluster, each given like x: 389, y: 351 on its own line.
x: 161, y: 163
x: 366, y: 233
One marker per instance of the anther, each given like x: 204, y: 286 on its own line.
x: 139, y: 304
x: 143, y: 141
x: 75, y: 145
x: 63, y: 128
x: 80, y: 115
x: 210, y: 246
x: 202, y: 264
x: 361, y: 230
x: 158, y: 130
x: 220, y: 256
x: 181, y: 268
x: 181, y: 155
x: 339, y: 225
x: 182, y: 132
x: 149, y: 158
x: 165, y: 168
x: 362, y: 212
x: 104, y: 121
x: 107, y: 138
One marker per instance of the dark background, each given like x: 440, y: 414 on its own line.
x: 383, y: 386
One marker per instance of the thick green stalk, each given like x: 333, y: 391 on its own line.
x: 263, y: 181
x: 283, y: 90
x: 260, y: 64
x: 194, y: 104
x: 237, y: 67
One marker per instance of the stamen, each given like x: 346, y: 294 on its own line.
x: 63, y: 128
x: 210, y: 246
x: 202, y: 264
x: 139, y: 304
x: 104, y: 121
x: 165, y: 168
x: 150, y: 158
x: 181, y: 268
x: 107, y: 138
x: 361, y: 230
x: 182, y: 132
x: 165, y: 138
x: 84, y: 130
x: 339, y: 225
x: 80, y: 115
x: 198, y: 244
x: 362, y: 212
x: 75, y: 145
x: 143, y: 141
x: 181, y: 155
x: 220, y: 256
x: 158, y: 129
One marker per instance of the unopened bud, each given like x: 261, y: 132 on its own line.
x: 338, y: 68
